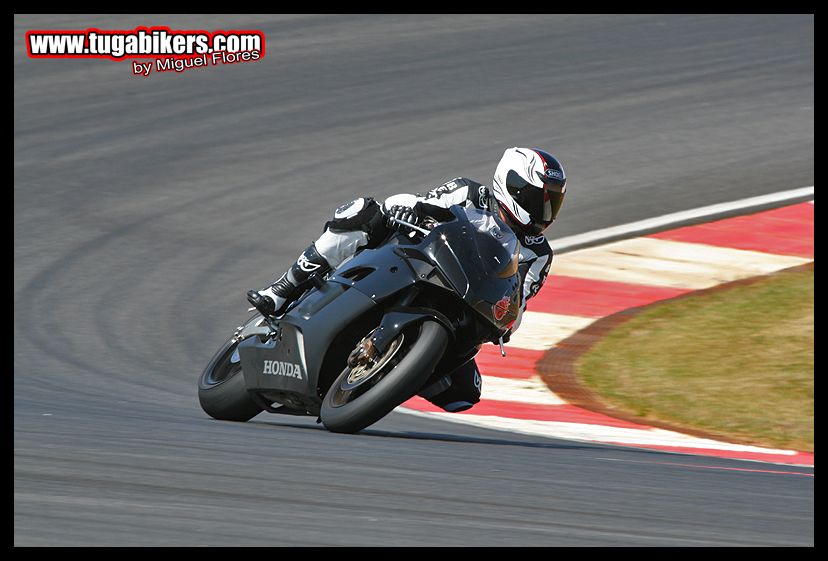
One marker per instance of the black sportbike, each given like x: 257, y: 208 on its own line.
x: 378, y: 330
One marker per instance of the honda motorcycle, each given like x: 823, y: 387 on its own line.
x: 381, y: 328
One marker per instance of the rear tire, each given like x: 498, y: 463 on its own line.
x: 341, y: 413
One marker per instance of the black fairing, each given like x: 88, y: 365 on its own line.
x: 465, y: 269
x: 474, y: 257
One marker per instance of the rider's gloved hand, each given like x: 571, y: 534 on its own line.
x: 404, y: 213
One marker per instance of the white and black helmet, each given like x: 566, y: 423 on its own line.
x: 529, y: 186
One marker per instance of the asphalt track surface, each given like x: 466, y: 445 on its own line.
x: 145, y: 207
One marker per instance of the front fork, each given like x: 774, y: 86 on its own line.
x: 262, y: 327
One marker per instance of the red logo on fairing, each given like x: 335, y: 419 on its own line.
x: 501, y: 308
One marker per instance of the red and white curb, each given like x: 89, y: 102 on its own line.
x: 588, y: 284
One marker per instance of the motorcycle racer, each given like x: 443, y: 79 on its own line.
x: 528, y: 189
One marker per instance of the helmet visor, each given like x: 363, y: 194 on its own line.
x: 542, y: 205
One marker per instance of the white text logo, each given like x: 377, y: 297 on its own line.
x: 279, y: 368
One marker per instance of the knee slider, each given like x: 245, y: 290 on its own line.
x: 354, y: 215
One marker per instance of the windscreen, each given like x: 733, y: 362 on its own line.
x: 496, y: 244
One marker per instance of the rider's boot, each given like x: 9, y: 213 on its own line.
x: 275, y: 299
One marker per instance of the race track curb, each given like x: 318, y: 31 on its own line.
x: 595, y: 279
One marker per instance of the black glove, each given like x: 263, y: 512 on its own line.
x: 404, y: 213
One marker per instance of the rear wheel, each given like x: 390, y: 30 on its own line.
x: 366, y: 392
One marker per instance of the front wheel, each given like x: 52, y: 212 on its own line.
x: 362, y: 395
x: 221, y: 389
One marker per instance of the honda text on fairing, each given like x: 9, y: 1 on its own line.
x: 375, y: 332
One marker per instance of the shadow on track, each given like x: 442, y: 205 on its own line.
x: 444, y: 437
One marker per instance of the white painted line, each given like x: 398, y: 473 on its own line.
x: 596, y: 433
x: 568, y: 243
x: 539, y: 331
x: 531, y: 390
x: 657, y: 262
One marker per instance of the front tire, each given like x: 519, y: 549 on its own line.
x: 351, y: 410
x: 221, y: 389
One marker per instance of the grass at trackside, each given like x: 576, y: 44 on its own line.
x: 735, y: 363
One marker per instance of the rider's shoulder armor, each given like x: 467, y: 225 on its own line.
x: 462, y: 189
